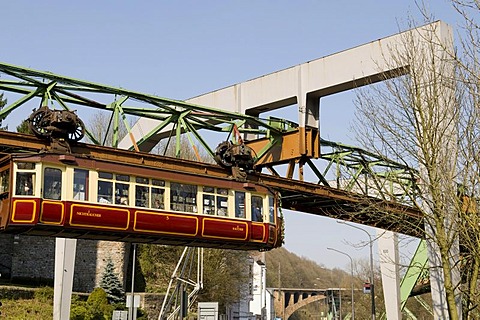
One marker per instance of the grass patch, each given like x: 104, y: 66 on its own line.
x: 22, y: 309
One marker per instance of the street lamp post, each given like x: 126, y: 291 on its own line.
x: 351, y: 273
x: 370, y: 243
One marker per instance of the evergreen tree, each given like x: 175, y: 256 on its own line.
x: 111, y: 284
x: 24, y: 127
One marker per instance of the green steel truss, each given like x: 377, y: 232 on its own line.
x: 360, y: 171
x: 66, y: 93
x: 349, y: 168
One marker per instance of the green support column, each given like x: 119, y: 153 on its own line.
x: 418, y: 266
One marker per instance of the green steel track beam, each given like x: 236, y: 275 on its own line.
x: 342, y: 167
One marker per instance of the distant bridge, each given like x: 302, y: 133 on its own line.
x: 289, y: 300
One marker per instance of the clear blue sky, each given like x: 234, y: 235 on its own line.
x: 180, y: 49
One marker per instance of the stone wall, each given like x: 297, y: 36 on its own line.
x: 118, y: 252
x: 32, y: 259
x: 6, y: 254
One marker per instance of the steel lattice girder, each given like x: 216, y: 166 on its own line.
x: 391, y: 180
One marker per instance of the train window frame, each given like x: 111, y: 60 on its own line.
x: 25, y: 172
x: 80, y: 194
x: 104, y: 187
x: 122, y: 193
x: 184, y: 203
x: 271, y: 208
x: 157, y: 198
x: 117, y: 188
x: 240, y: 208
x: 52, y: 184
x: 215, y: 201
x: 140, y: 199
x: 257, y: 207
x: 150, y: 193
x: 5, y: 180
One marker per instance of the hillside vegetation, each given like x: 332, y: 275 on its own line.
x: 287, y: 270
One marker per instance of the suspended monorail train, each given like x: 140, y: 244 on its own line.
x: 77, y: 196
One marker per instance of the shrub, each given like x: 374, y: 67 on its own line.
x: 78, y: 312
x: 97, y: 305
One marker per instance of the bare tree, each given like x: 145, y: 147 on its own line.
x: 100, y: 126
x: 416, y: 117
x: 468, y: 66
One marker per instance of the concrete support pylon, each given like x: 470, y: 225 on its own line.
x: 63, y: 283
x: 389, y: 267
x: 304, y: 84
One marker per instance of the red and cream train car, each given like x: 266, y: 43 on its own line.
x: 80, y: 197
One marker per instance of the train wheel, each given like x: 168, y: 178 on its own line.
x: 222, y: 154
x: 79, y: 132
x: 36, y: 122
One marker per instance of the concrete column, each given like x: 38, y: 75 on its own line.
x: 389, y: 267
x: 63, y: 282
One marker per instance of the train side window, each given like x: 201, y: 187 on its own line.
x: 105, y: 175
x: 122, y: 177
x: 52, y: 183
x: 141, y: 196
x: 239, y: 204
x: 159, y: 183
x: 150, y: 194
x: 105, y: 191
x: 26, y: 165
x: 158, y: 198
x: 5, y: 180
x: 25, y: 183
x: 80, y: 184
x: 121, y: 193
x: 141, y: 192
x: 121, y: 189
x: 271, y: 209
x: 257, y: 208
x: 208, y: 203
x: 141, y: 180
x: 215, y: 201
x: 183, y: 197
x: 222, y: 206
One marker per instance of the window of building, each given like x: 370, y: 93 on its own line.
x: 183, y: 197
x: 52, y: 183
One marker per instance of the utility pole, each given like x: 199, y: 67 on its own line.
x: 370, y: 243
x: 351, y: 275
